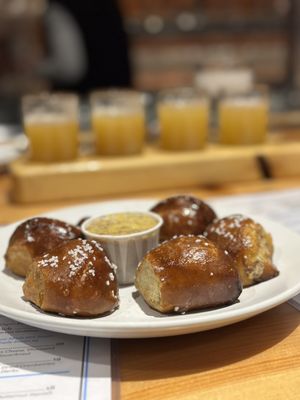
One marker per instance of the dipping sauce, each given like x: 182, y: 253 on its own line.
x: 122, y: 224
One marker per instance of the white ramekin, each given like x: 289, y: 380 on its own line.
x: 126, y: 251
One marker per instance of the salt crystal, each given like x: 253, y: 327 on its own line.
x: 111, y: 276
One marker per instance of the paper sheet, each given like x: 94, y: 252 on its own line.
x: 38, y: 364
x: 280, y: 206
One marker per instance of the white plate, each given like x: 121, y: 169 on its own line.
x: 134, y: 319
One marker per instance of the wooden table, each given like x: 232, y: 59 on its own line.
x: 255, y: 359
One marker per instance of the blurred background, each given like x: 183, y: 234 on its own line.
x: 145, y: 44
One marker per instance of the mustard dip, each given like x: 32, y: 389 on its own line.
x: 122, y: 224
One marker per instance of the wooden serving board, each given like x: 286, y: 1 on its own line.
x: 154, y: 169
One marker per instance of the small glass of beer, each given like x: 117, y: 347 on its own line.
x: 118, y: 121
x: 243, y: 118
x: 51, y: 124
x: 183, y: 115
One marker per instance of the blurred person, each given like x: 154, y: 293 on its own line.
x: 87, y: 46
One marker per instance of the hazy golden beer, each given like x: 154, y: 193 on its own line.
x: 243, y: 120
x: 118, y: 122
x: 183, y: 118
x: 51, y: 125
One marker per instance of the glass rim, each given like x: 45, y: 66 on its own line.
x: 50, y: 95
x: 259, y: 91
x: 112, y: 92
x: 182, y: 93
x: 117, y: 98
x: 49, y: 99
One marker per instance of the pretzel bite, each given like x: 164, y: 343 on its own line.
x: 75, y: 279
x: 183, y: 215
x: 34, y: 237
x: 186, y: 273
x: 249, y: 245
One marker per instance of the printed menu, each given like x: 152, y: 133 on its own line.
x: 39, y: 364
